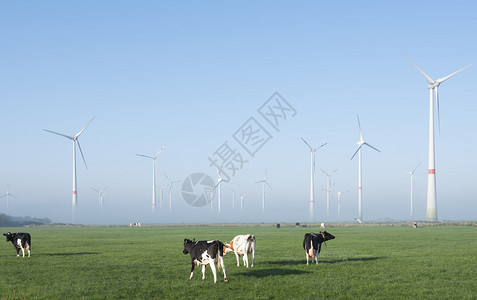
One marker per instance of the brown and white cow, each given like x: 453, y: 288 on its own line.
x: 241, y: 245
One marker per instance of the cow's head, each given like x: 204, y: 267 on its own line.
x: 9, y: 236
x: 187, y: 245
x: 228, y: 247
x: 327, y: 236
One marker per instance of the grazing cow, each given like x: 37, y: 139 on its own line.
x: 312, y: 244
x: 20, y: 240
x: 241, y: 245
x: 205, y: 253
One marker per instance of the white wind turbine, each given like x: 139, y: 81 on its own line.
x: 75, y: 142
x: 328, y: 189
x: 171, y: 182
x: 312, y: 178
x: 241, y: 202
x: 339, y: 201
x: 162, y: 188
x: 153, y: 175
x: 233, y: 197
x: 218, y: 184
x: 360, y: 143
x: 412, y: 184
x: 101, y: 194
x: 8, y: 194
x: 263, y: 189
x: 431, y: 214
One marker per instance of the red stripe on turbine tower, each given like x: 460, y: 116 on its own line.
x: 74, y: 192
x: 432, y: 171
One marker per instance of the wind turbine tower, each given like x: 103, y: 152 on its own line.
x: 339, y: 201
x: 264, y: 181
x: 312, y: 178
x: 431, y: 213
x: 153, y: 175
x: 8, y: 194
x: 101, y: 195
x: 328, y: 190
x: 171, y: 182
x: 360, y: 143
x: 241, y: 202
x: 75, y: 142
x: 218, y: 184
x: 412, y: 185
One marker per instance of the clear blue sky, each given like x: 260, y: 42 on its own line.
x: 190, y: 74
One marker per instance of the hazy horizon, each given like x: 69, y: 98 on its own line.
x: 199, y: 77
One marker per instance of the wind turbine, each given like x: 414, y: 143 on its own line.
x: 360, y: 143
x: 101, y: 195
x: 412, y: 184
x: 162, y: 188
x: 263, y: 189
x: 8, y: 194
x: 171, y: 182
x: 241, y: 202
x: 153, y: 175
x: 339, y: 201
x: 75, y: 142
x: 431, y: 214
x: 328, y: 190
x: 219, y: 183
x: 312, y: 177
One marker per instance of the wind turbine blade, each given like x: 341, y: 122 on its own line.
x: 360, y: 132
x: 165, y: 175
x: 218, y: 173
x: 325, y: 172
x: 416, y: 167
x: 244, y: 195
x: 95, y: 190
x: 440, y: 80
x: 260, y: 181
x: 320, y: 146
x: 81, y: 151
x: 438, y: 114
x: 429, y: 79
x: 268, y: 184
x: 145, y: 156
x: 81, y: 131
x: 334, y: 171
x: 372, y: 147
x: 160, y: 151
x: 66, y: 136
x: 356, y: 152
x: 311, y: 149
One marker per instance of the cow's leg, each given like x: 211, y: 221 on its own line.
x: 192, y: 271
x: 238, y: 260
x: 317, y: 253
x: 203, y: 272
x: 308, y: 258
x: 253, y: 256
x: 221, y: 262
x: 28, y: 248
x: 245, y: 259
x: 23, y: 251
x: 212, y: 267
x: 18, y: 251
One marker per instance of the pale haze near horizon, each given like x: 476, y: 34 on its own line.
x: 189, y: 75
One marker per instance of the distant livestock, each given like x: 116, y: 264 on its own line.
x: 312, y: 244
x: 135, y: 224
x: 20, y: 240
x: 205, y: 253
x: 241, y: 245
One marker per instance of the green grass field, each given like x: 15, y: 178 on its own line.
x: 380, y: 262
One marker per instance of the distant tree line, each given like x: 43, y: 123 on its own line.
x: 9, y: 221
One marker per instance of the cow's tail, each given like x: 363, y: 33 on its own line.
x: 311, y: 251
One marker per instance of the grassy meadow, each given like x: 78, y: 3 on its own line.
x: 380, y: 262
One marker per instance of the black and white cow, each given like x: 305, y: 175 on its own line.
x: 205, y: 253
x: 20, y: 240
x: 312, y: 244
